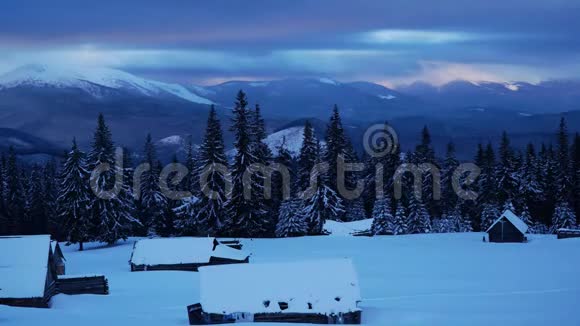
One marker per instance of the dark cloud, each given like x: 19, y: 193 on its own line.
x: 263, y: 38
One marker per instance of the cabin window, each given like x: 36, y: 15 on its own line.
x: 266, y: 303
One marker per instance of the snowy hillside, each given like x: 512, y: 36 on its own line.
x: 88, y: 80
x: 174, y: 140
x: 429, y: 279
x: 291, y: 136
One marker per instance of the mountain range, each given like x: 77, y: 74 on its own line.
x: 55, y: 104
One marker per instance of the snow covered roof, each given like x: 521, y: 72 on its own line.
x: 514, y: 219
x: 321, y: 286
x: 23, y: 266
x: 184, y: 250
x: 347, y: 228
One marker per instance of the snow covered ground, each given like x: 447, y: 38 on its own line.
x: 347, y: 228
x: 439, y: 279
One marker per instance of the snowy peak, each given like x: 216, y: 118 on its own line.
x: 87, y: 79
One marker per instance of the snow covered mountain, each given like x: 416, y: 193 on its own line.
x: 315, y: 97
x: 544, y: 97
x: 96, y: 82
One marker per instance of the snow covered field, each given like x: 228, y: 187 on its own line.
x: 439, y: 279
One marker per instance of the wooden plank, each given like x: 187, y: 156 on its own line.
x: 83, y: 285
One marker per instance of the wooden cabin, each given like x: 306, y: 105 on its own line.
x: 31, y: 273
x: 184, y: 254
x: 314, y: 292
x: 508, y: 228
x: 27, y: 276
x: 568, y: 233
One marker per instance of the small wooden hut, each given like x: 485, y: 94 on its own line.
x: 184, y: 254
x: 27, y: 277
x: 507, y: 228
x: 31, y: 273
x: 314, y: 292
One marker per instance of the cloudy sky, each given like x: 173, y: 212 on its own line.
x: 390, y: 42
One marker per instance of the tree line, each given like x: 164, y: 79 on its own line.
x: 541, y: 186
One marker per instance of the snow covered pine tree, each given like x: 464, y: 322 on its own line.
x: 291, y: 222
x: 74, y: 197
x: 111, y: 217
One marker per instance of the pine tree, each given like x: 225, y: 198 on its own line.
x: 34, y: 221
x: 350, y: 156
x: 324, y: 204
x: 307, y: 157
x: 152, y: 202
x: 261, y: 151
x: 384, y: 165
x: 49, y: 199
x: 263, y: 207
x: 563, y: 179
x: 166, y: 222
x: 186, y: 212
x: 539, y: 228
x: 546, y: 176
x: 525, y: 215
x: 575, y: 171
x: 111, y: 218
x: 489, y: 176
x: 336, y: 145
x: 191, y: 157
x: 381, y: 212
x: 401, y: 219
x: 445, y: 224
x: 460, y: 222
x: 355, y: 210
x: 529, y: 189
x: 209, y: 217
x: 563, y: 217
x: 450, y: 164
x: 245, y: 215
x: 418, y: 220
x: 425, y: 154
x: 74, y: 197
x: 283, y: 158
x: 3, y: 220
x: 508, y: 205
x: 13, y: 193
x: 489, y: 214
x: 384, y: 223
x: 507, y: 183
x: 291, y: 223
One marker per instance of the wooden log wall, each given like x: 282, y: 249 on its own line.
x: 83, y: 285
